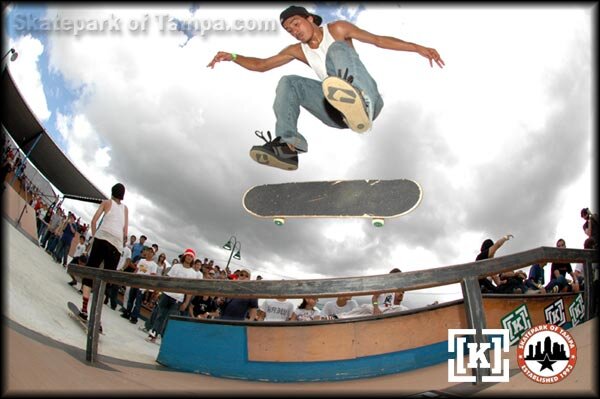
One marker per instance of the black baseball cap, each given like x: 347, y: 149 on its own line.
x: 295, y: 10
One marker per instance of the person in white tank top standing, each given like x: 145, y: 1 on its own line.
x: 108, y: 239
x: 345, y: 96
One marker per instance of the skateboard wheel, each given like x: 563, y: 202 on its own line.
x: 279, y: 221
x: 378, y: 222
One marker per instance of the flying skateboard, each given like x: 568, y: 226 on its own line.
x: 374, y: 199
x: 74, y: 314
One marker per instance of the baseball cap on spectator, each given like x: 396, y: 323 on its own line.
x: 245, y: 271
x: 190, y: 251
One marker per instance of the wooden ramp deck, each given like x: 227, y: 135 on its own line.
x: 39, y: 365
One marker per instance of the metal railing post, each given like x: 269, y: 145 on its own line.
x: 475, y: 318
x: 588, y: 293
x: 93, y: 335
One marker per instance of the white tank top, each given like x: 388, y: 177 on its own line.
x: 111, y: 228
x: 316, y: 57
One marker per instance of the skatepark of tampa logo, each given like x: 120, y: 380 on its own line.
x: 546, y: 354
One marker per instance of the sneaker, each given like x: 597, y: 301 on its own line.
x: 72, y: 283
x: 133, y: 320
x: 151, y: 336
x: 274, y: 153
x: 355, y: 107
x: 83, y: 315
x: 555, y: 289
x: 125, y: 314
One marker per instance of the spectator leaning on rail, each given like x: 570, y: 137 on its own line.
x: 488, y: 250
x: 342, y: 304
x: 240, y: 308
x: 558, y: 273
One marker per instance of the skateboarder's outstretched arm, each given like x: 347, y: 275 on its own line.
x: 343, y: 30
x: 260, y: 64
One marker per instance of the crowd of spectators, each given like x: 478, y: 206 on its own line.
x: 563, y: 276
x: 12, y: 161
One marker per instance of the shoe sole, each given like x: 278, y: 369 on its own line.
x: 346, y: 99
x: 265, y: 158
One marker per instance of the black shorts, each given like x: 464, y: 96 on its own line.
x: 102, y: 252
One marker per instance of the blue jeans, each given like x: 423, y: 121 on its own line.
x: 52, y: 243
x: 134, y: 304
x: 42, y: 230
x: 294, y: 91
x: 560, y: 281
x: 62, y: 251
x: 166, y: 307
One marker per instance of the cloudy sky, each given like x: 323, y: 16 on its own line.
x: 501, y: 139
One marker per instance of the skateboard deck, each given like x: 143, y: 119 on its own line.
x: 74, y: 314
x: 374, y: 199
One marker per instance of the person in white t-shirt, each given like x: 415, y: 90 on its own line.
x: 390, y: 303
x: 342, y: 304
x: 307, y: 310
x: 383, y: 301
x: 279, y: 309
x: 125, y: 265
x: 173, y: 302
x: 145, y: 266
x: 79, y: 251
x: 162, y: 271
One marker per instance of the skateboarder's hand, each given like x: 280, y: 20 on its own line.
x: 221, y: 56
x: 432, y: 55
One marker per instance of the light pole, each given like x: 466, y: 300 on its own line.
x: 13, y: 56
x: 231, y: 245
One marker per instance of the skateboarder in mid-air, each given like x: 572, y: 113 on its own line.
x: 345, y: 96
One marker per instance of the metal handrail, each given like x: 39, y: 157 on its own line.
x: 467, y: 274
